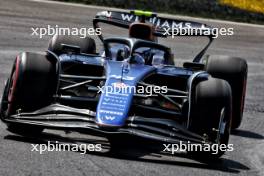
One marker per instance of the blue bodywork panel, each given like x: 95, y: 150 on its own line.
x: 84, y: 59
x: 113, y: 106
x: 174, y: 71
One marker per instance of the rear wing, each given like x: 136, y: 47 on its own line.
x: 163, y: 26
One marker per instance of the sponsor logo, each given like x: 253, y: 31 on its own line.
x: 160, y: 22
x: 173, y: 27
x: 110, y: 117
x: 119, y: 85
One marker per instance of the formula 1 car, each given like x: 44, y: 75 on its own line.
x: 132, y: 87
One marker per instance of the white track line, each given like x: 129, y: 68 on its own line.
x: 165, y: 15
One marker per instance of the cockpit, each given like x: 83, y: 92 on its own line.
x: 137, y: 51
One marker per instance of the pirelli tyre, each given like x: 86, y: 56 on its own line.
x: 31, y: 85
x: 234, y: 71
x: 86, y: 45
x: 210, y: 114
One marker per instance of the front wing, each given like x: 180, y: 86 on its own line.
x: 62, y: 117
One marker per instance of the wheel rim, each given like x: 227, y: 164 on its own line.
x: 222, y: 128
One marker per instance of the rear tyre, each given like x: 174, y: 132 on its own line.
x: 211, y: 114
x: 234, y: 71
x: 87, y: 44
x: 31, y: 85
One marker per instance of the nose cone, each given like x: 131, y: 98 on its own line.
x: 116, y: 99
x: 113, y: 107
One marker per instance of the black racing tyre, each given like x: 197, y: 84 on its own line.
x: 87, y: 45
x: 234, y: 71
x: 31, y: 85
x: 211, y: 109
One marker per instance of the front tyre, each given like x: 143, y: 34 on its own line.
x: 31, y: 85
x: 210, y: 116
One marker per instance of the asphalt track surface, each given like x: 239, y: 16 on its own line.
x: 16, y: 19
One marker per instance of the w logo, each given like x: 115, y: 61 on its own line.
x: 109, y: 117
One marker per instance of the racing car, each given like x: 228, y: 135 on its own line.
x: 66, y: 88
